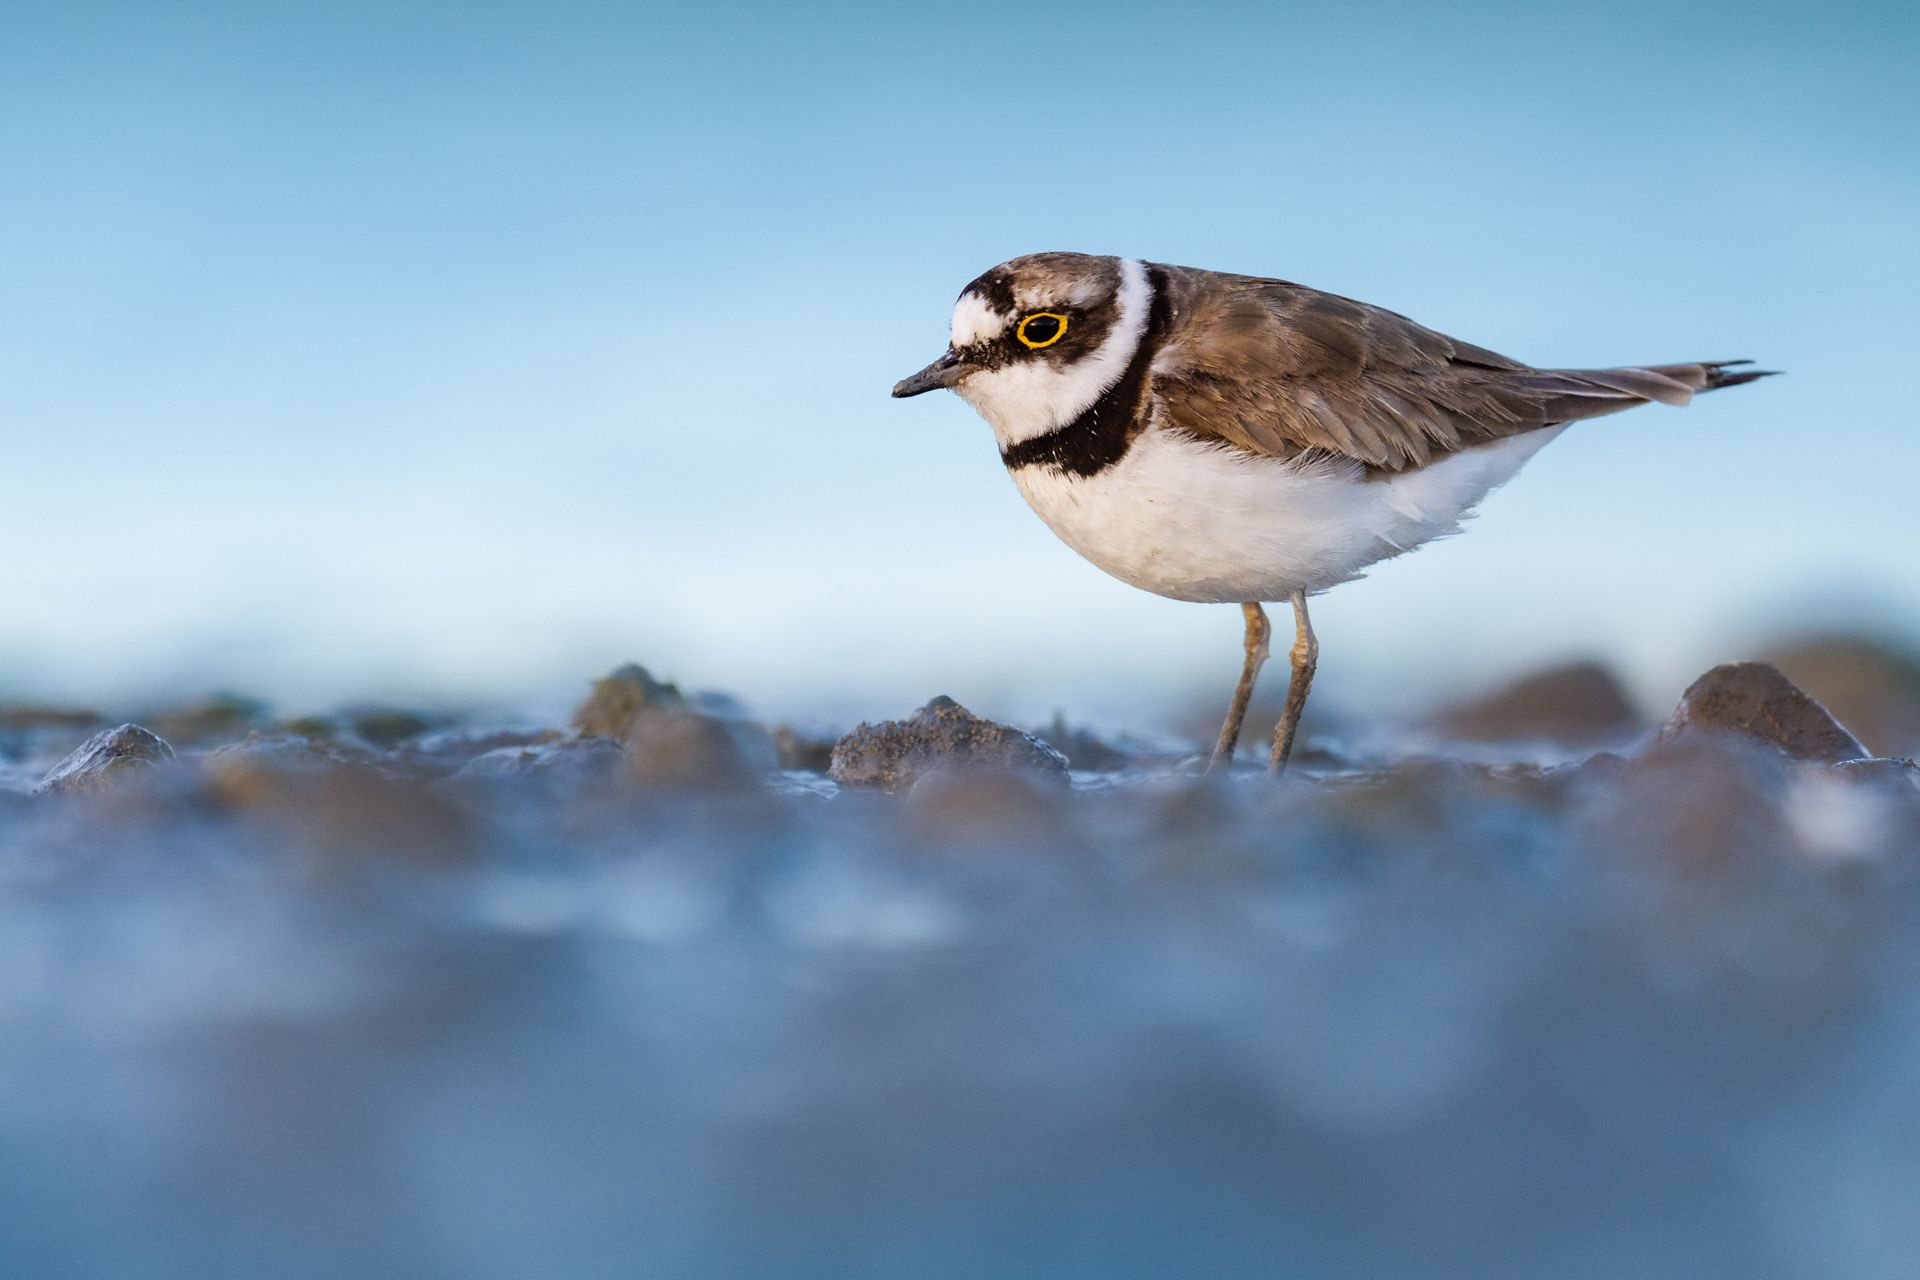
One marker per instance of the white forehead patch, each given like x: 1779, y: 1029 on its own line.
x: 974, y: 321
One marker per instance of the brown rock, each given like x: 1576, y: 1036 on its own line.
x: 943, y: 735
x: 1580, y: 704
x: 1754, y: 699
x: 684, y: 749
x: 106, y: 759
x: 618, y: 699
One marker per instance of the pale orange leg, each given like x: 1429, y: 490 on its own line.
x: 1258, y: 633
x: 1306, y: 656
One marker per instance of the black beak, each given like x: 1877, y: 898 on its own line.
x: 944, y: 372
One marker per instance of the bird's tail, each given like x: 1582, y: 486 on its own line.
x: 1564, y: 395
x: 1710, y: 375
x: 1670, y: 383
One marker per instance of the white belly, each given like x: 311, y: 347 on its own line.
x: 1200, y: 522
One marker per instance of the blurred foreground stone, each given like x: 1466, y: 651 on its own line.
x: 1755, y: 700
x: 333, y: 804
x: 686, y: 749
x: 106, y: 759
x: 941, y: 736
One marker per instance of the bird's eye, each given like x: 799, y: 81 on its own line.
x: 1041, y: 329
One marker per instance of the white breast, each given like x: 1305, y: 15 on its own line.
x: 1202, y: 522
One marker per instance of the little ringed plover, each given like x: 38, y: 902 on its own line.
x: 1233, y: 439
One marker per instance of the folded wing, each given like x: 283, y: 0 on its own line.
x: 1283, y: 370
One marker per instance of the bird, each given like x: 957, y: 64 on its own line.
x: 1235, y: 439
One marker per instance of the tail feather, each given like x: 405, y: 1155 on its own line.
x: 1712, y: 375
x: 1564, y: 395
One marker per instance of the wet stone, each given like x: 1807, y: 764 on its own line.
x: 104, y: 760
x: 1755, y: 700
x: 943, y: 736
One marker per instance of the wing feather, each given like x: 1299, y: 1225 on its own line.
x: 1279, y: 369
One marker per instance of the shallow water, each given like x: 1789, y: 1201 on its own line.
x: 1653, y: 1018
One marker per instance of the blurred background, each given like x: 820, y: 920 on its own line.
x: 460, y: 352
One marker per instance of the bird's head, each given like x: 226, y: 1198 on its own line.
x: 1037, y: 339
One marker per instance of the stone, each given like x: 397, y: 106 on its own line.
x: 683, y: 749
x: 1578, y: 704
x: 942, y: 736
x: 106, y: 760
x: 995, y: 807
x: 1755, y: 700
x: 618, y: 699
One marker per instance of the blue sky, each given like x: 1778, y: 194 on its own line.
x: 461, y: 351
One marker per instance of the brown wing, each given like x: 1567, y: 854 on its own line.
x: 1283, y: 370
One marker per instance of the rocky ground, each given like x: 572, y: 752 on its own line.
x: 669, y: 992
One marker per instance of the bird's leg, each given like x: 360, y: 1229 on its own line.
x: 1258, y: 633
x: 1306, y: 656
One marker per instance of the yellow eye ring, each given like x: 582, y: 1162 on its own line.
x: 1034, y: 345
